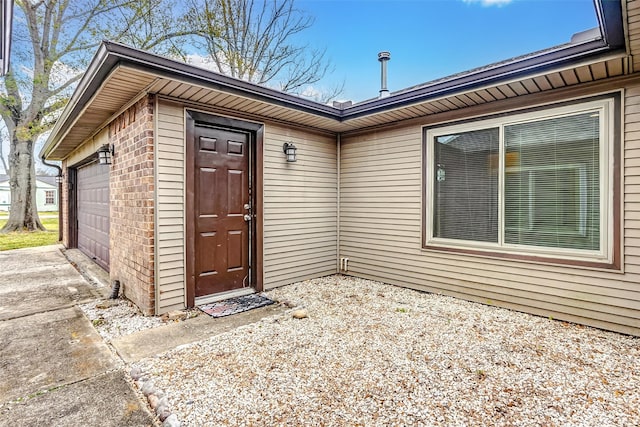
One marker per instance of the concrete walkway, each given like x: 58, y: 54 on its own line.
x: 150, y: 342
x: 54, y: 367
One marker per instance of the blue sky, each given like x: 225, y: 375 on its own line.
x: 429, y: 39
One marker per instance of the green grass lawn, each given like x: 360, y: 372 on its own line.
x: 17, y: 240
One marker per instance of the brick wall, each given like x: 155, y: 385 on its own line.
x: 132, y: 204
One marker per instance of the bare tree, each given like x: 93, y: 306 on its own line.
x: 255, y: 41
x: 54, y: 40
x: 52, y: 44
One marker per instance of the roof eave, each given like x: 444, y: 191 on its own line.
x: 570, y: 55
x: 166, y: 67
x: 5, y: 40
x: 110, y: 55
x: 612, y: 41
x: 92, y: 77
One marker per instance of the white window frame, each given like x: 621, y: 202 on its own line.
x: 605, y: 107
x: 53, y: 197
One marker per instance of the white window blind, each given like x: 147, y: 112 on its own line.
x: 536, y: 182
x: 466, y: 185
x: 552, y: 191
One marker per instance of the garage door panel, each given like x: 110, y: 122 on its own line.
x: 93, y: 212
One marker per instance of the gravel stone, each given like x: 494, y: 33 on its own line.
x: 135, y: 373
x: 171, y: 421
x: 175, y: 315
x: 163, y: 413
x: 105, y: 304
x: 153, y: 401
x: 121, y: 318
x: 162, y: 402
x: 300, y: 314
x: 378, y: 355
x: 148, y: 388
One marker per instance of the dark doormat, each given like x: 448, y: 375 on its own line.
x: 235, y: 305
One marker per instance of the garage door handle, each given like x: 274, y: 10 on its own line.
x: 247, y: 217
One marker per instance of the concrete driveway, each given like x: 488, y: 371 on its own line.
x: 54, y: 367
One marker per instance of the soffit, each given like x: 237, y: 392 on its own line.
x: 119, y: 74
x: 439, y: 103
x: 525, y: 85
x: 125, y: 83
x: 242, y: 106
x: 117, y: 90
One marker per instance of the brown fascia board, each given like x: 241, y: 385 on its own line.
x: 612, y: 40
x: 91, y: 79
x: 169, y: 68
x: 519, y: 68
x: 610, y: 17
x: 111, y: 54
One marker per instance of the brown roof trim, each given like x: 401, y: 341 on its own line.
x: 569, y: 55
x: 111, y: 55
x: 164, y: 67
x: 609, y: 14
x: 611, y: 41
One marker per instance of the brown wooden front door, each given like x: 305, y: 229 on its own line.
x: 221, y: 209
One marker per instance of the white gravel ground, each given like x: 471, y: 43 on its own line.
x: 373, y: 354
x: 121, y: 318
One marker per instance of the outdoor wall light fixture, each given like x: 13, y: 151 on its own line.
x: 290, y: 150
x: 104, y: 154
x: 59, y: 179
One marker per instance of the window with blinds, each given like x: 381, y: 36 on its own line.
x: 465, y: 200
x: 552, y: 189
x: 534, y: 182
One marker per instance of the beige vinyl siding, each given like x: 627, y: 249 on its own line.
x: 300, y: 207
x: 633, y: 21
x: 89, y: 147
x: 170, y: 208
x: 381, y: 234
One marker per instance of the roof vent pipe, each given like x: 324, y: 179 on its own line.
x: 383, y: 57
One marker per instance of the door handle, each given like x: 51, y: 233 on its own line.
x: 247, y: 217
